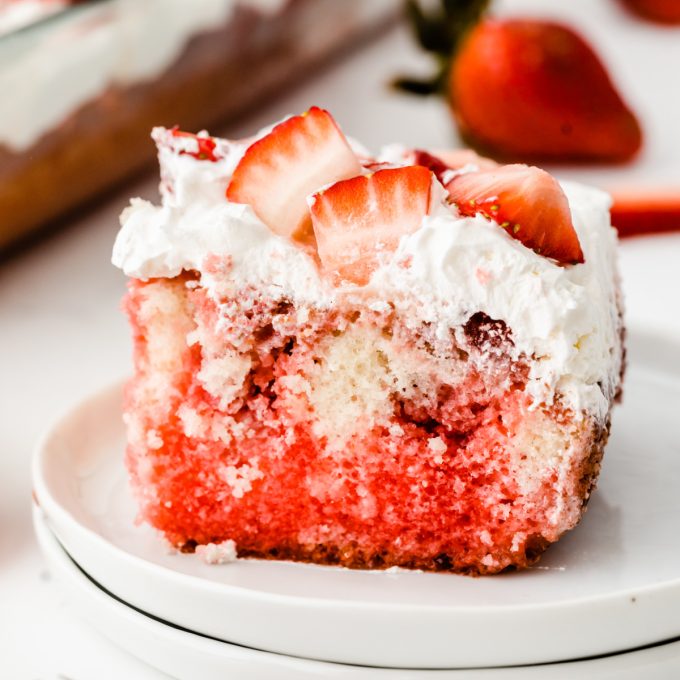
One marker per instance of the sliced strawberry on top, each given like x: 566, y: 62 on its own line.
x: 442, y: 163
x: 205, y: 146
x: 459, y: 158
x: 357, y: 220
x: 443, y: 160
x: 279, y: 170
x: 527, y: 202
x: 427, y: 160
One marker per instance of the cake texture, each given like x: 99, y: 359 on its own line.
x: 403, y: 360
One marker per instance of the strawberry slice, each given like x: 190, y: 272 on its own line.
x: 279, y: 171
x: 205, y: 146
x: 640, y: 211
x: 459, y: 158
x: 427, y: 160
x: 443, y: 161
x: 527, y: 202
x: 357, y: 220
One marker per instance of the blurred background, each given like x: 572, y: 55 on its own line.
x: 593, y: 98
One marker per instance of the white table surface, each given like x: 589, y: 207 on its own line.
x: 62, y: 336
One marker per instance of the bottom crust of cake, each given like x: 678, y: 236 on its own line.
x: 345, y: 437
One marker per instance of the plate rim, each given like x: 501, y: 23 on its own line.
x: 58, y: 517
x: 77, y: 573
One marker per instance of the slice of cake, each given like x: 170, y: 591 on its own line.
x: 407, y: 360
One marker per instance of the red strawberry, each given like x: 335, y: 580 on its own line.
x: 535, y: 90
x: 206, y: 145
x: 663, y: 11
x: 527, y: 202
x: 279, y: 171
x: 442, y: 161
x: 357, y: 220
x: 427, y: 160
x: 523, y: 89
x: 638, y: 211
x: 459, y: 158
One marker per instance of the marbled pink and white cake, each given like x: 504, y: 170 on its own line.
x: 407, y: 360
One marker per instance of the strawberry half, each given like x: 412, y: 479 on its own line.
x: 524, y: 89
x: 532, y: 90
x: 205, y: 145
x: 357, y: 220
x: 279, y: 171
x: 527, y: 202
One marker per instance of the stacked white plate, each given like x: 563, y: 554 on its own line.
x: 603, y: 603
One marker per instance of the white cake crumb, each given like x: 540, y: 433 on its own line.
x: 485, y: 537
x: 217, y: 553
x: 438, y: 447
x: 223, y: 376
x: 517, y: 540
x: 241, y: 478
x: 489, y: 561
x: 153, y: 439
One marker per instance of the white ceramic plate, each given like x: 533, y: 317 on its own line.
x: 613, y: 584
x: 187, y: 656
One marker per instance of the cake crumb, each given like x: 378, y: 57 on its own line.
x: 488, y: 561
x: 217, y: 553
x: 438, y: 447
x: 240, y: 479
x: 153, y: 440
x: 517, y: 541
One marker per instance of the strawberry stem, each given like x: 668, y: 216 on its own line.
x: 419, y: 87
x: 440, y: 32
x: 431, y: 29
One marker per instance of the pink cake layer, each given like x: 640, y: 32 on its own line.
x: 242, y: 428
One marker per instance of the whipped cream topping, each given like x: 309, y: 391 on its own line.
x: 83, y: 52
x: 566, y: 318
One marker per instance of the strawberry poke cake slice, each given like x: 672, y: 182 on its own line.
x: 408, y: 360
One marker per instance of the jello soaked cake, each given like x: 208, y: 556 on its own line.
x: 404, y: 360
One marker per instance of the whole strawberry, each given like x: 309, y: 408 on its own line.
x: 662, y: 11
x: 524, y: 90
